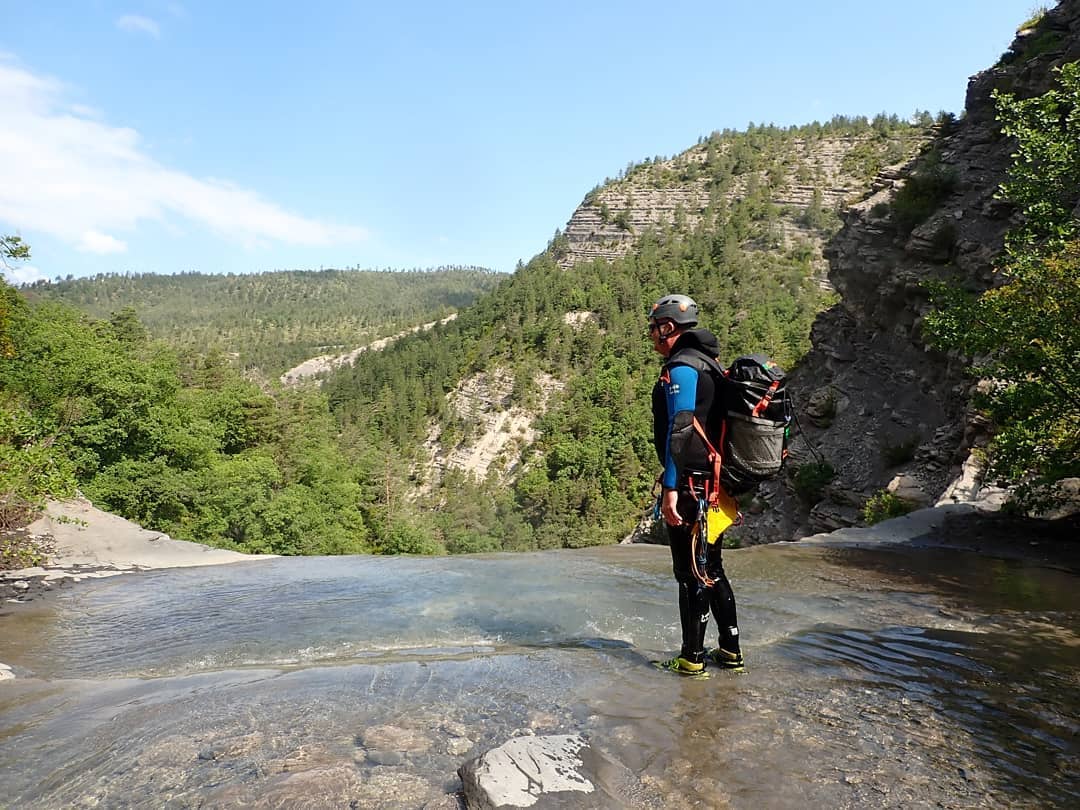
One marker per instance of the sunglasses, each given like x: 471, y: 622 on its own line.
x: 656, y: 327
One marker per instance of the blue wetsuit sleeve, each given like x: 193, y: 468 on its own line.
x: 681, y: 393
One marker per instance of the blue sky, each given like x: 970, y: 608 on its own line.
x: 162, y: 136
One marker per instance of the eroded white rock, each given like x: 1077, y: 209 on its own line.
x: 522, y: 770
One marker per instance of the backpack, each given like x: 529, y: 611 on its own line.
x: 755, y: 420
x: 757, y: 423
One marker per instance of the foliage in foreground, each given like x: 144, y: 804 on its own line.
x: 1023, y: 332
x: 190, y: 449
x: 885, y: 506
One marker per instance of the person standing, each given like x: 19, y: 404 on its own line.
x: 682, y: 401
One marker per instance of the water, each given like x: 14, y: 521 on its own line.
x: 875, y: 678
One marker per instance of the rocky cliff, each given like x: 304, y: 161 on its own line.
x: 883, y: 409
x: 808, y: 171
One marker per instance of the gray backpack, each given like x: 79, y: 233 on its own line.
x: 757, y: 423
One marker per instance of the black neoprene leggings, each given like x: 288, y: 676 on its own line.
x: 695, y: 600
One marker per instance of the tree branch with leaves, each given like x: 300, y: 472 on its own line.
x: 1023, y: 331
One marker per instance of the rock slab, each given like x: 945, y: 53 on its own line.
x: 537, y: 772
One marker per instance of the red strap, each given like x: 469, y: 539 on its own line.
x: 715, y: 457
x: 765, y: 400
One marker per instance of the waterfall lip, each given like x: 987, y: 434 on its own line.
x: 917, y: 525
x: 911, y: 654
x: 965, y: 527
x: 401, y: 654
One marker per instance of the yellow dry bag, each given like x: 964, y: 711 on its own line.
x: 723, y: 514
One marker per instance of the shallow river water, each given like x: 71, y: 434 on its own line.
x: 875, y: 678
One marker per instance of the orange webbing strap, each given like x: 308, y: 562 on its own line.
x: 765, y: 400
x: 715, y: 457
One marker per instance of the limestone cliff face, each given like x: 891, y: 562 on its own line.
x: 677, y: 193
x: 880, y: 406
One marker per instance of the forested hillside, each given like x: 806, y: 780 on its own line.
x: 188, y: 447
x: 272, y: 321
x: 182, y: 442
x: 754, y: 265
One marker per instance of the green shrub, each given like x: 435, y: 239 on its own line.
x: 811, y: 480
x: 33, y: 467
x: 883, y: 506
x: 896, y: 454
x: 1034, y: 18
x: 408, y: 535
x: 1042, y: 43
x: 923, y: 192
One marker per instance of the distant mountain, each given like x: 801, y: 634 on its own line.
x: 270, y: 322
x: 798, y: 178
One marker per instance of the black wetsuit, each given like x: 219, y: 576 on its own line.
x: 686, y: 389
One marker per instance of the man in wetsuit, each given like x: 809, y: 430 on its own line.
x: 687, y: 386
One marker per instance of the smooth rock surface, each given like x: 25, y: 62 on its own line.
x: 528, y: 772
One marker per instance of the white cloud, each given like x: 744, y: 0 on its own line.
x: 22, y: 273
x: 70, y: 174
x: 102, y: 243
x: 136, y: 24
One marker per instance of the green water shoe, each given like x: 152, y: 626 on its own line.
x: 683, y: 666
x: 726, y: 660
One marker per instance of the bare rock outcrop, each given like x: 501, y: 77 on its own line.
x: 314, y: 367
x: 493, y: 432
x: 545, y: 772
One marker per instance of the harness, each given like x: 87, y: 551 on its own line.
x: 717, y: 512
